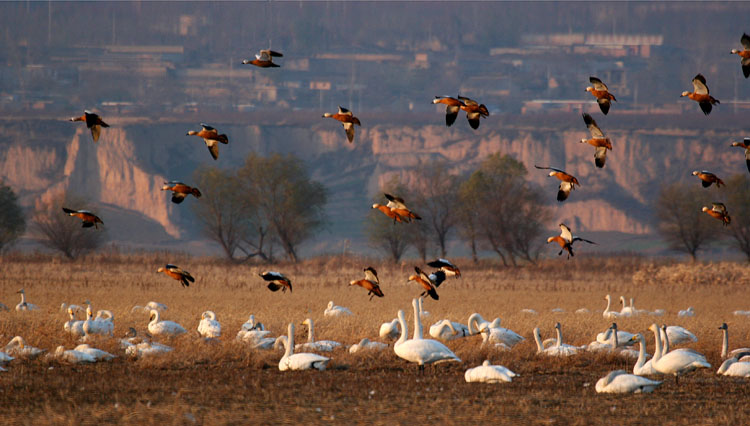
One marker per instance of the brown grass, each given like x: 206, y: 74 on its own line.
x: 227, y: 383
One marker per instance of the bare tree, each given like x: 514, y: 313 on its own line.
x: 56, y: 230
x: 681, y: 222
x: 12, y: 219
x: 738, y: 200
x: 435, y: 193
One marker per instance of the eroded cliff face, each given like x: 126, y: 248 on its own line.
x: 124, y: 171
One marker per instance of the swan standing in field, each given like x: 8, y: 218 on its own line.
x: 311, y: 344
x: 448, y: 330
x: 24, y: 305
x: 98, y: 354
x: 73, y: 356
x: 689, y: 312
x: 208, y: 327
x: 18, y: 347
x: 725, y: 353
x: 335, y: 311
x: 164, y: 328
x: 607, y: 313
x: 619, y: 381
x: 366, y: 345
x: 389, y: 330
x: 488, y: 373
x: 300, y: 361
x: 678, y: 361
x: 420, y: 351
x: 642, y: 367
x: 734, y: 367
x: 149, y: 306
x: 73, y: 326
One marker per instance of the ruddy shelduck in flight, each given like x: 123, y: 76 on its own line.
x: 700, y: 94
x: 180, y: 190
x: 474, y: 110
x: 452, y: 107
x: 598, y: 140
x: 718, y: 211
x: 93, y: 122
x: 276, y: 281
x: 347, y: 119
x: 396, y: 209
x: 446, y: 266
x: 744, y: 54
x: 707, y: 178
x: 601, y: 93
x: 568, y: 182
x: 371, y: 283
x: 264, y: 59
x: 178, y: 274
x: 211, y: 137
x: 89, y: 219
x: 424, y: 280
x: 566, y: 240
x: 745, y: 144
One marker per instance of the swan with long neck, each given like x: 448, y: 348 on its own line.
x: 625, y: 311
x: 18, y: 347
x: 734, y: 367
x: 311, y: 344
x: 619, y: 381
x: 300, y: 361
x: 607, y: 313
x: 642, y: 367
x: 420, y: 351
x: 551, y: 350
x: 493, y: 333
x: 564, y: 346
x: 25, y: 306
x: 725, y: 353
x: 209, y: 327
x: 99, y: 325
x: 389, y: 330
x: 447, y: 330
x: 677, y: 362
x: 73, y: 326
x: 164, y: 328
x: 476, y: 323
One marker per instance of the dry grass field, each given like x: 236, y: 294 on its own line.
x: 225, y: 382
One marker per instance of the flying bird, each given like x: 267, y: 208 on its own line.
x: 745, y: 144
x: 347, y: 119
x: 396, y: 209
x: 707, y: 178
x: 211, y: 137
x: 700, y: 94
x: 264, y: 59
x: 598, y: 140
x: 452, y: 107
x: 718, y: 211
x: 93, y: 122
x: 600, y: 91
x: 446, y: 267
x: 371, y: 283
x: 180, y: 190
x: 178, y: 274
x: 474, y: 111
x: 276, y: 281
x: 89, y: 219
x: 568, y: 182
x: 427, y: 284
x: 566, y: 240
x: 744, y: 54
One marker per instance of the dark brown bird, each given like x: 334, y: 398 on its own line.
x: 707, y: 178
x: 700, y: 94
x: 93, y: 122
x: 180, y: 275
x: 371, y: 283
x: 598, y: 140
x: 568, y: 182
x: 276, y: 281
x: 89, y: 219
x: 264, y: 59
x: 600, y: 91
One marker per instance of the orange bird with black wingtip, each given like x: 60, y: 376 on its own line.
x: 452, y: 107
x: 566, y: 240
x: 276, y: 281
x: 474, y: 110
x: 700, y: 94
x: 178, y: 274
x: 180, y: 190
x: 744, y: 54
x: 211, y: 137
x: 598, y: 140
x: 745, y: 144
x: 93, y: 122
x: 347, y: 119
x: 264, y: 59
x: 371, y: 283
x: 89, y: 219
x: 568, y: 182
x: 388, y: 212
x: 707, y: 178
x: 398, y: 206
x: 424, y: 280
x: 601, y: 93
x: 718, y: 211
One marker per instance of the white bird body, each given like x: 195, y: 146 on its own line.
x: 448, y: 330
x: 420, y: 351
x: 366, y: 345
x: 312, y: 344
x: 582, y: 311
x: 335, y: 311
x: 689, y: 312
x: 300, y: 361
x: 164, y: 328
x: 678, y: 361
x: 493, y: 333
x: 528, y: 311
x: 488, y: 373
x: 619, y: 381
x: 25, y: 306
x: 389, y: 330
x: 149, y: 307
x: 733, y: 367
x: 678, y: 335
x: 73, y: 326
x: 145, y: 349
x: 623, y: 337
x: 98, y: 354
x: 209, y: 327
x: 73, y: 356
x: 256, y: 338
x: 607, y: 312
x: 626, y: 311
x: 99, y: 325
x: 252, y: 324
x: 642, y: 367
x: 5, y: 358
x: 553, y: 349
x: 18, y: 347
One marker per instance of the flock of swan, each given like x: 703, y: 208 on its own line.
x: 417, y: 349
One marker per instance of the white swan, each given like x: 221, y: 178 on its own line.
x: 98, y: 354
x: 689, y: 312
x: 733, y: 367
x: 678, y: 361
x: 528, y: 311
x: 420, y: 351
x: 146, y: 348
x: 607, y: 313
x: 642, y: 367
x: 623, y: 337
x: 564, y: 346
x: 100, y: 325
x: 488, y: 373
x: 422, y: 312
x: 5, y: 358
x: 625, y: 311
x: 448, y: 330
x: 72, y: 356
x: 18, y: 347
x: 300, y: 361
x: 255, y: 335
x: 551, y: 350
x: 252, y: 324
x: 24, y: 305
x: 208, y: 327
x: 311, y: 344
x: 73, y: 326
x: 476, y: 323
x: 725, y: 353
x: 366, y: 345
x: 76, y: 308
x: 389, y: 330
x: 678, y: 335
x: 164, y: 328
x: 582, y: 311
x: 619, y: 381
x: 149, y: 307
x: 335, y: 311
x: 493, y: 333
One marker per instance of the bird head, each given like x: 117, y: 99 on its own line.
x: 685, y: 93
x: 734, y: 51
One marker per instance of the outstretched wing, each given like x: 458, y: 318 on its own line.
x: 745, y: 40
x: 549, y: 168
x: 595, y: 131
x: 437, y: 278
x: 371, y: 275
x: 344, y: 111
x: 699, y: 85
x: 598, y: 85
x: 719, y: 207
x: 395, y: 202
x: 207, y: 127
x: 467, y: 101
x: 565, y: 232
x: 600, y: 156
x: 563, y: 191
x: 581, y: 239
